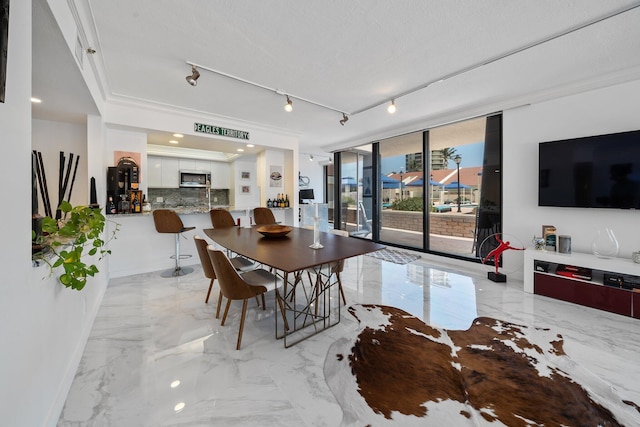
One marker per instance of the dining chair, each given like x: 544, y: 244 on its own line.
x: 207, y: 268
x: 235, y: 286
x: 263, y: 216
x: 366, y: 229
x: 221, y: 218
x: 168, y: 221
x: 333, y: 269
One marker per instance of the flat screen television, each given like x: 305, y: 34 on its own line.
x: 600, y: 171
x: 306, y: 194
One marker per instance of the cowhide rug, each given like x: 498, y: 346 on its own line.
x: 399, y: 371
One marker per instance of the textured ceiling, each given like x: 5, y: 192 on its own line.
x: 352, y: 55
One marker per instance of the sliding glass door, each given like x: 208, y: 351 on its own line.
x: 401, y: 190
x: 356, y: 192
x: 437, y: 190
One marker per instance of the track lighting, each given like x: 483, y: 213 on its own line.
x: 192, y: 79
x: 344, y: 120
x: 288, y: 107
x: 311, y: 157
x: 392, y: 107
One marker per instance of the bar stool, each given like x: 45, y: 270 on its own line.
x: 167, y: 221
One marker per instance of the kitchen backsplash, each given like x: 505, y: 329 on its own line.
x: 187, y: 197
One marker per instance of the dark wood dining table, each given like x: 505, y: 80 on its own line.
x: 291, y: 255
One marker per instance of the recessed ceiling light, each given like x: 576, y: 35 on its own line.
x: 178, y: 135
x: 173, y: 141
x: 250, y: 145
x: 175, y: 383
x: 179, y: 407
x: 36, y: 100
x: 240, y: 149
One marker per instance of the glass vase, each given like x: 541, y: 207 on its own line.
x: 605, y: 244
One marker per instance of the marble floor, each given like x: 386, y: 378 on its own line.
x: 157, y: 356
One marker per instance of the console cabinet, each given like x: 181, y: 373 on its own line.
x: 590, y: 293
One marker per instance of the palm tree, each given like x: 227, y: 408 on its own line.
x: 448, y: 153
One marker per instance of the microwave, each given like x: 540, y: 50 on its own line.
x: 195, y: 179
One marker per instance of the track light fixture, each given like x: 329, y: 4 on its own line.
x: 344, y: 120
x: 392, y: 107
x: 192, y: 79
x: 311, y: 157
x: 288, y: 107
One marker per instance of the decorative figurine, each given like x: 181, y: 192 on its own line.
x: 495, y: 254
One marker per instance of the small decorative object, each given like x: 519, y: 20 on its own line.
x: 272, y: 231
x: 549, y: 234
x: 496, y: 253
x: 635, y: 256
x: 564, y: 244
x: 538, y: 243
x: 245, y: 175
x: 605, y: 244
x: 316, y: 230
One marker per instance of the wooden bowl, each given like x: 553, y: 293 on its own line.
x: 274, y: 230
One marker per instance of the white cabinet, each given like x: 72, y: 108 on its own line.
x: 187, y: 164
x: 220, y: 175
x: 170, y: 172
x: 154, y: 172
x: 164, y: 172
x: 203, y: 165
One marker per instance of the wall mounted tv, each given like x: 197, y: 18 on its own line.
x: 600, y: 171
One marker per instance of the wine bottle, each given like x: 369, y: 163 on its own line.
x: 269, y: 203
x: 136, y: 204
x: 111, y: 207
x: 286, y: 201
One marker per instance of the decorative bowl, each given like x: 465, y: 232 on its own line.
x: 274, y: 230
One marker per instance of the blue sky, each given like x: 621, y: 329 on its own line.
x: 471, y: 156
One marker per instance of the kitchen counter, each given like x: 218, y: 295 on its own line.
x: 139, y: 248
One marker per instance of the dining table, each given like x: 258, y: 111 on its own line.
x: 314, y: 308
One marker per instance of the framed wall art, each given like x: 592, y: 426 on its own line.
x: 275, y: 176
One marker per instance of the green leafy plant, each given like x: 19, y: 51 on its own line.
x: 411, y: 204
x: 65, y: 243
x: 346, y: 200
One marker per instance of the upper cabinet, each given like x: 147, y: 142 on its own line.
x: 154, y: 172
x: 164, y: 172
x: 170, y: 172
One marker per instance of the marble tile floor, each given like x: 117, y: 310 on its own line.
x: 157, y: 356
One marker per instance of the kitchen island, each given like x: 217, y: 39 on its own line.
x: 139, y: 248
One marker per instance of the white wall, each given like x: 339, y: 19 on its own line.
x: 52, y: 137
x: 43, y: 325
x: 315, y: 172
x: 238, y: 199
x: 609, y: 110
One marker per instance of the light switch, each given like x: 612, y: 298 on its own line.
x: 159, y: 199
x: 215, y: 199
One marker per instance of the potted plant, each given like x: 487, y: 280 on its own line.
x: 65, y: 243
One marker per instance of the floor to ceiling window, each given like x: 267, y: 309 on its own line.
x: 437, y: 190
x: 356, y: 192
x: 401, y: 190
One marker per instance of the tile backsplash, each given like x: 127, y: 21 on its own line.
x: 186, y: 197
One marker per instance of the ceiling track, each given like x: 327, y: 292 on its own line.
x: 457, y: 73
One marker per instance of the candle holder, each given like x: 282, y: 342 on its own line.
x: 316, y: 231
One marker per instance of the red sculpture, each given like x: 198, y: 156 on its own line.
x: 495, y: 253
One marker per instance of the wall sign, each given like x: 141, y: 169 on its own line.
x: 216, y: 130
